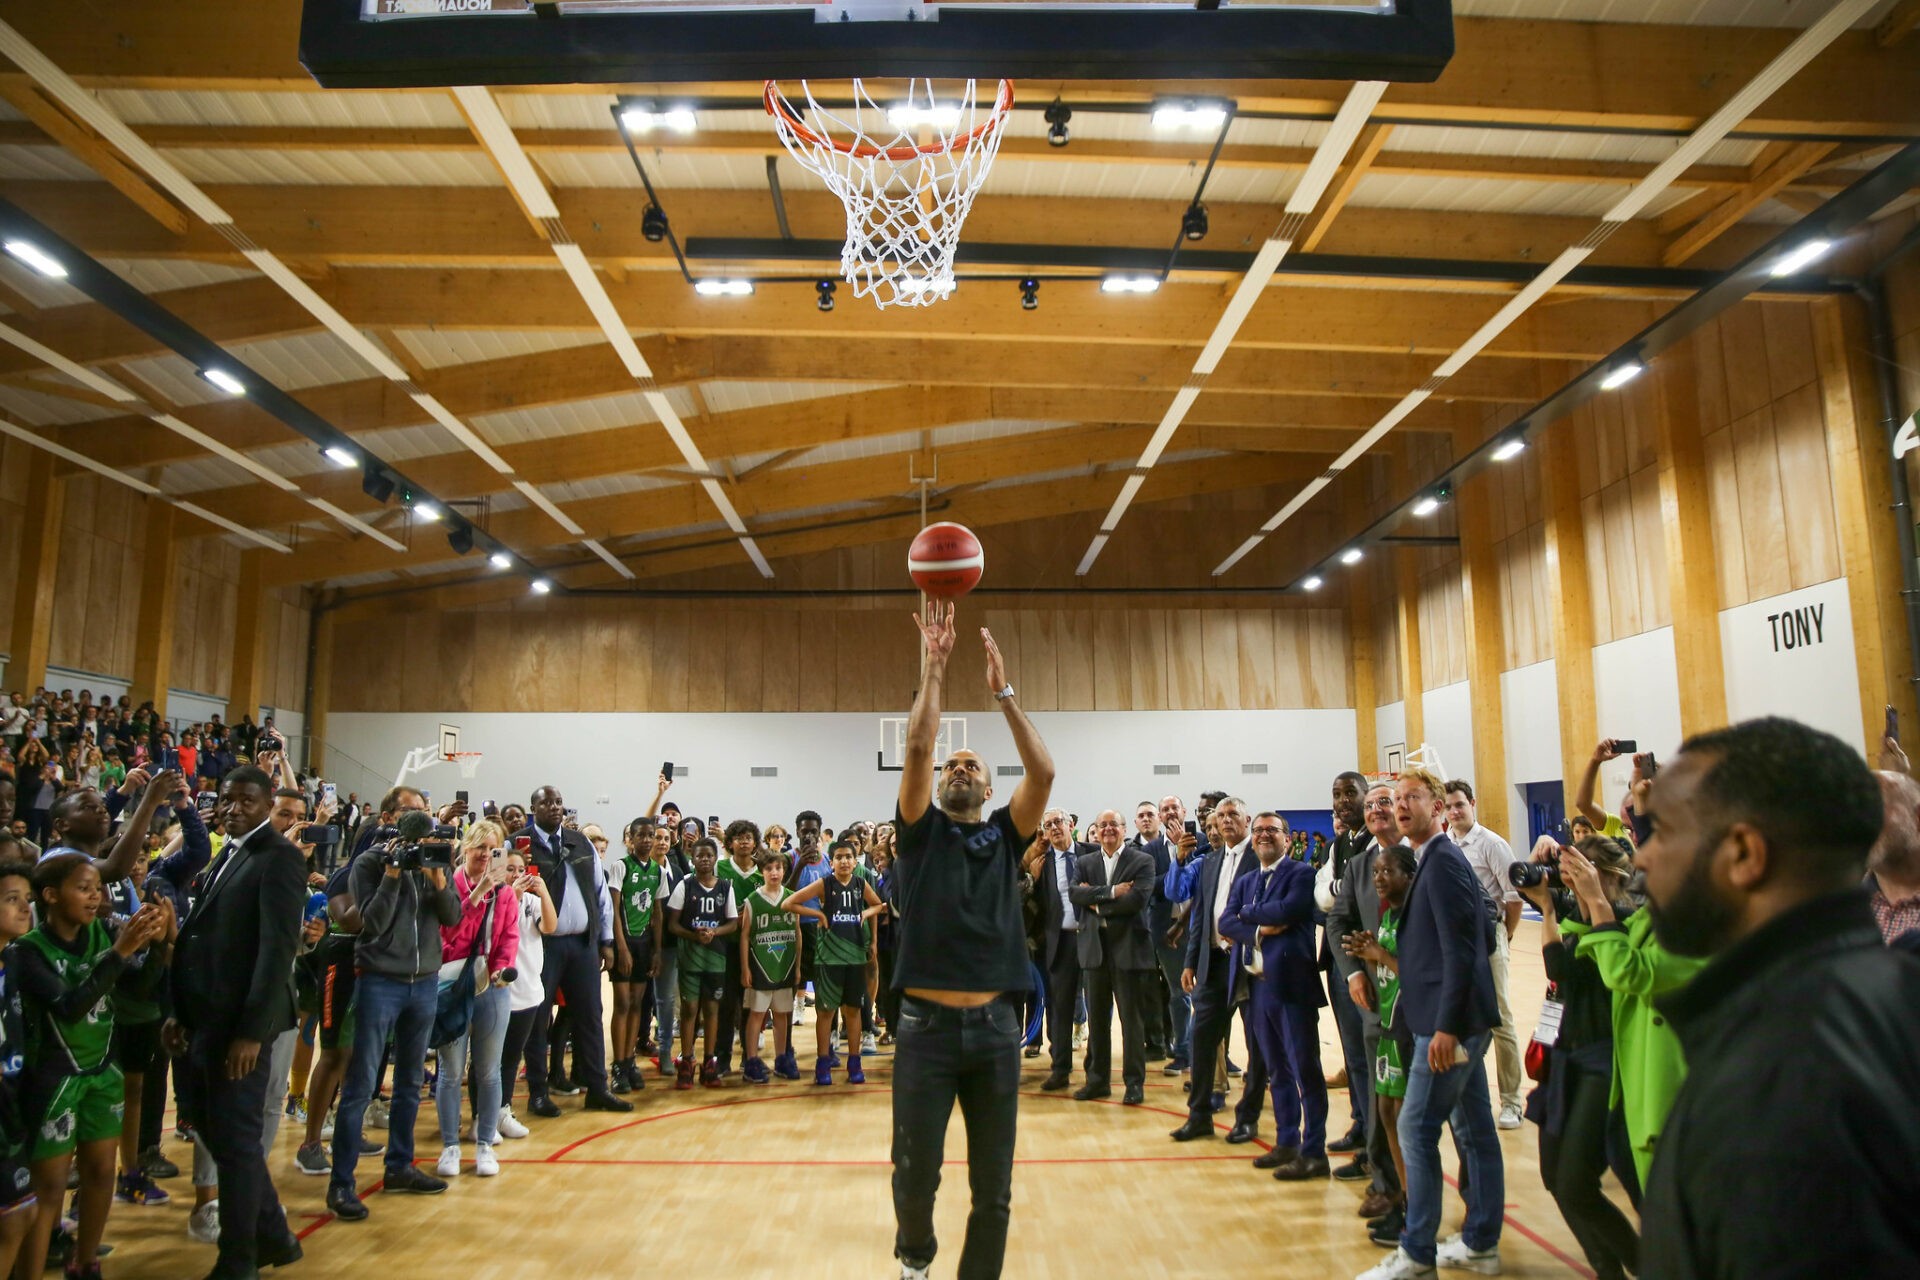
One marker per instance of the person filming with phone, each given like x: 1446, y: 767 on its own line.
x: 480, y: 950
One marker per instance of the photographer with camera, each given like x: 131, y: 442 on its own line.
x: 400, y: 887
x: 1572, y: 1108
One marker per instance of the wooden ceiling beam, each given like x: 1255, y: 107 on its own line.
x: 1366, y: 151
x: 96, y: 152
x: 1503, y: 71
x: 1898, y: 24
x: 1791, y: 162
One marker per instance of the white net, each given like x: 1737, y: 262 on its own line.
x: 469, y: 762
x: 907, y: 170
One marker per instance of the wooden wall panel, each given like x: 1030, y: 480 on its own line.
x: 1073, y: 659
x: 706, y: 658
x: 671, y: 628
x: 1112, y: 662
x: 1806, y: 489
x: 780, y: 661
x: 1147, y: 647
x: 1258, y: 676
x: 1757, y: 466
x: 854, y: 688
x: 1328, y: 683
x: 1219, y: 662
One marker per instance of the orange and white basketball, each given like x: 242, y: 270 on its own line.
x: 946, y: 560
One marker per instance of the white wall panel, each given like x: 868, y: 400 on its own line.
x: 1792, y: 655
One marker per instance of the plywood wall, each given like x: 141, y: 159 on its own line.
x: 285, y: 620
x: 96, y: 599
x: 677, y: 655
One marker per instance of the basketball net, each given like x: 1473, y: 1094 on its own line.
x: 907, y: 172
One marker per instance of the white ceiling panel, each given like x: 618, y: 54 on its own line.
x: 1700, y: 13
x: 724, y: 396
x: 35, y: 409
x: 157, y: 275
x: 1556, y: 145
x: 43, y: 164
x: 605, y: 487
x: 337, y: 108
x: 1485, y: 195
x: 437, y: 349
x: 551, y: 422
x: 337, y: 168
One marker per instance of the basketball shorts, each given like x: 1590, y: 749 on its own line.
x: 1390, y: 1066
x: 835, y: 985
x: 696, y: 986
x: 85, y: 1108
x: 779, y: 1000
x: 336, y: 1006
x: 641, y: 951
x: 136, y: 1046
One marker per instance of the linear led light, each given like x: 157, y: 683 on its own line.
x: 645, y: 119
x: 38, y: 259
x: 225, y: 381
x: 1312, y: 582
x: 1352, y: 555
x: 1621, y: 374
x: 342, y: 456
x: 1426, y: 506
x: 723, y: 288
x: 500, y: 560
x: 907, y: 116
x: 1093, y: 553
x: 1510, y: 450
x: 541, y: 586
x: 1189, y: 115
x: 1799, y: 260
x: 426, y: 511
x: 1129, y: 284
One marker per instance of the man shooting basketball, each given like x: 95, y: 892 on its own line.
x: 961, y: 965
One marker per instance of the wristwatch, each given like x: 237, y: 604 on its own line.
x: 1004, y: 694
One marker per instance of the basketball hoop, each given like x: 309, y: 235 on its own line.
x: 907, y: 183
x: 469, y: 761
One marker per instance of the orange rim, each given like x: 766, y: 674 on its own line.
x: 776, y: 104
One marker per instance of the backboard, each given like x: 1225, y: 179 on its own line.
x: 414, y: 43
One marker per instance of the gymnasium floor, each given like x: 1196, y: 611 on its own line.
x: 792, y: 1180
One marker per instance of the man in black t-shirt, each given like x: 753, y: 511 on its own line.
x: 961, y: 964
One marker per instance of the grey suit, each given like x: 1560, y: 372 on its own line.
x: 1356, y: 907
x: 1116, y: 956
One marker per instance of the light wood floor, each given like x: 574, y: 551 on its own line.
x: 792, y: 1180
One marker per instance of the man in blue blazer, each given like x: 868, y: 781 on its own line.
x: 1270, y: 916
x: 1447, y: 999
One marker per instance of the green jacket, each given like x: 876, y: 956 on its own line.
x: 1648, y: 1066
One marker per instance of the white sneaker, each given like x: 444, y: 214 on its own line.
x: 1398, y: 1266
x: 203, y: 1224
x: 377, y: 1114
x: 510, y: 1126
x: 908, y: 1272
x: 326, y: 1130
x: 484, y: 1164
x: 866, y: 1043
x: 1509, y: 1116
x: 449, y: 1166
x: 1079, y: 1039
x: 1454, y: 1255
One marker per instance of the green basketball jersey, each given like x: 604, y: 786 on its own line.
x: 743, y: 882
x: 773, y: 945
x: 1385, y: 979
x: 640, y: 885
x: 80, y: 1044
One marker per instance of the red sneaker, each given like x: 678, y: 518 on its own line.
x: 684, y: 1080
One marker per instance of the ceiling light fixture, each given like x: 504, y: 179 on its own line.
x: 825, y: 289
x: 644, y: 119
x: 500, y: 560
x: 1029, y: 294
x: 1193, y: 224
x: 541, y: 586
x: 723, y: 288
x: 1352, y: 555
x: 341, y: 455
x: 1057, y: 115
x: 225, y: 381
x: 1621, y: 374
x: 943, y: 286
x: 426, y: 511
x: 1511, y: 449
x: 653, y: 224
x: 907, y: 116
x: 1189, y: 115
x: 1426, y: 506
x: 1794, y: 263
x: 35, y: 257
x: 1312, y: 582
x: 1129, y: 284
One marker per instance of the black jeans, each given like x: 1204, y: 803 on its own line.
x: 230, y: 1115
x: 1571, y: 1163
x: 571, y: 964
x: 1063, y: 992
x: 941, y: 1056
x: 153, y: 1100
x: 1212, y: 1021
x: 514, y: 1050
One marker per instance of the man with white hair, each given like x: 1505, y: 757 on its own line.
x: 1113, y: 886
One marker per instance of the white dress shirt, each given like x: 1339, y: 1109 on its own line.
x: 1223, y: 889
x: 571, y: 914
x: 1489, y: 856
x: 230, y: 854
x: 1110, y: 860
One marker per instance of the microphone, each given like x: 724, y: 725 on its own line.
x: 414, y: 825
x: 509, y: 974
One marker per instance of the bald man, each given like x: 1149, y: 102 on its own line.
x: 1113, y: 886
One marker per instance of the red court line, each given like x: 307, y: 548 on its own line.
x: 874, y: 1164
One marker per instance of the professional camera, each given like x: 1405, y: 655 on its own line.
x: 1525, y: 875
x: 418, y: 843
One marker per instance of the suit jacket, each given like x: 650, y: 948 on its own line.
x: 1356, y: 907
x: 580, y: 857
x: 1201, y: 952
x: 233, y: 965
x: 1280, y: 896
x: 1160, y: 911
x: 1113, y: 927
x: 1047, y: 887
x: 1342, y: 851
x: 1446, y: 980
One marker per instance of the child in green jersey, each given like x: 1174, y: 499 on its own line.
x: 1392, y: 878
x: 840, y: 956
x: 640, y: 887
x: 770, y: 966
x: 73, y: 1091
x: 17, y: 1203
x: 702, y: 912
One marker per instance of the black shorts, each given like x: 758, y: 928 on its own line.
x: 16, y: 1182
x: 839, y: 985
x: 640, y: 949
x: 136, y: 1046
x: 336, y: 1006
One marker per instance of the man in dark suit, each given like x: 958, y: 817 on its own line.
x: 1356, y: 909
x: 578, y: 951
x: 233, y: 993
x: 1270, y: 915
x: 1054, y: 866
x: 1113, y: 886
x: 1349, y: 790
x: 1447, y: 998
x: 1208, y: 979
x: 1157, y: 1012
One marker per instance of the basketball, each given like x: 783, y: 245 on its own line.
x: 945, y: 560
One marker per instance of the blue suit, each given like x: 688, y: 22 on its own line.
x: 1446, y: 979
x: 1286, y: 995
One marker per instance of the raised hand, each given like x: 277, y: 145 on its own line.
x: 937, y: 630
x: 996, y: 664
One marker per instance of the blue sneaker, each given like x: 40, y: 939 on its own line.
x: 823, y: 1071
x: 786, y: 1066
x: 854, y: 1074
x: 833, y: 1058
x: 754, y: 1072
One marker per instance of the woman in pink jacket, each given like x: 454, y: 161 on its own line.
x: 490, y: 925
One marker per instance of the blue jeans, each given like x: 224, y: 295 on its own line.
x: 384, y: 1007
x: 488, y: 1035
x: 666, y: 1004
x: 1179, y: 1003
x: 1459, y: 1096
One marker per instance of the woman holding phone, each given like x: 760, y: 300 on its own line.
x: 489, y: 928
x: 535, y: 918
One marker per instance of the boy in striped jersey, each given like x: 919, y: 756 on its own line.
x: 769, y: 966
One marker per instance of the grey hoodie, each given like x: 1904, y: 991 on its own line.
x: 400, y: 920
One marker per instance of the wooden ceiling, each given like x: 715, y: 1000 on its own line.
x: 393, y: 212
